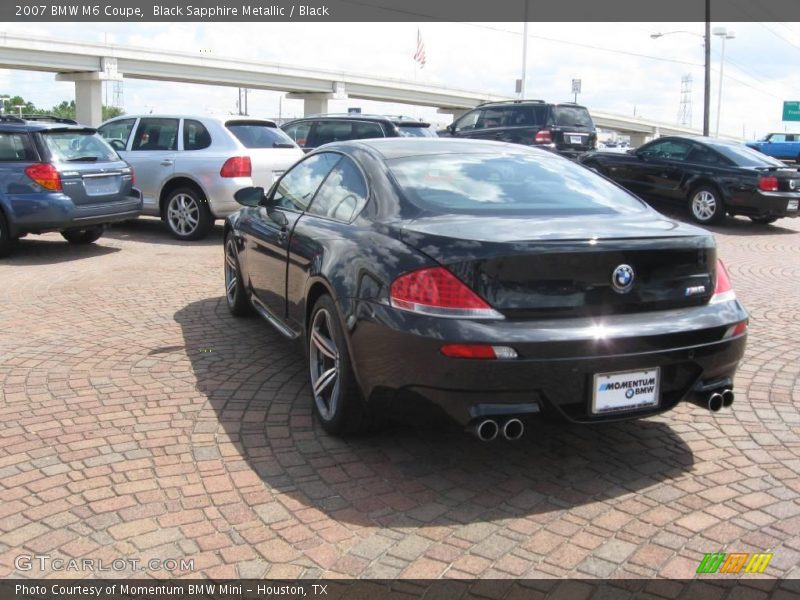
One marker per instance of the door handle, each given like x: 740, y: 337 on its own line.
x: 167, y: 162
x: 282, y: 235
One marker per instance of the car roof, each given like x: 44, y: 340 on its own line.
x: 400, y: 120
x: 701, y: 139
x: 218, y: 118
x: 41, y: 126
x: 389, y: 148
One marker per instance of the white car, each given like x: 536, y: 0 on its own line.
x: 189, y: 167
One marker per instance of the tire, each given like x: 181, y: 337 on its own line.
x: 706, y: 205
x: 236, y: 293
x: 187, y: 215
x: 89, y: 235
x: 337, y: 404
x: 6, y: 241
x: 763, y: 220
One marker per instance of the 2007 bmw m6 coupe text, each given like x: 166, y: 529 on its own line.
x: 491, y: 282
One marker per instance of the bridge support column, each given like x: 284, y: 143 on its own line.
x: 314, y: 103
x: 88, y: 96
x: 637, y: 139
x: 456, y: 112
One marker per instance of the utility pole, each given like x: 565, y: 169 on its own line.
x: 685, y: 110
x: 524, y: 52
x: 707, y: 86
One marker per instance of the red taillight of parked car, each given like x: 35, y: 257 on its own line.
x: 723, y: 288
x: 46, y: 175
x: 437, y: 292
x: 768, y: 184
x: 237, y: 166
x: 543, y: 136
x: 478, y: 351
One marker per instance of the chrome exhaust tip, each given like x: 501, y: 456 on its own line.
x: 715, y: 402
x: 727, y: 398
x: 513, y: 429
x: 486, y: 430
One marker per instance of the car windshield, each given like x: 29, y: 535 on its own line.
x: 260, y: 135
x: 78, y: 145
x: 743, y: 156
x: 572, y: 116
x: 500, y: 184
x: 416, y: 131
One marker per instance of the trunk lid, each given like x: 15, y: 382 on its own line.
x: 92, y: 183
x: 271, y: 163
x: 548, y: 267
x: 271, y: 151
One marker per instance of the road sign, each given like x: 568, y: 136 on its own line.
x: 576, y: 86
x: 791, y: 110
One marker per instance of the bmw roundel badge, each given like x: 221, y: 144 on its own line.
x: 622, y: 279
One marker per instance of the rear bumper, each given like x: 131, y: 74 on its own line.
x: 39, y: 213
x: 402, y: 372
x: 764, y: 204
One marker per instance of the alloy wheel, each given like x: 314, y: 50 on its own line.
x: 231, y: 272
x: 704, y: 205
x: 323, y: 356
x: 183, y: 214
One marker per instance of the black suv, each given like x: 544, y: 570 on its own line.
x: 565, y: 128
x: 56, y: 175
x: 316, y: 130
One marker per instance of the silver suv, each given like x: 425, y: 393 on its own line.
x: 189, y: 167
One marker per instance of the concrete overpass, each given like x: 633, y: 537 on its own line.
x: 89, y: 64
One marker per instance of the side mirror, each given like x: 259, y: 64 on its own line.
x: 250, y: 196
x: 451, y: 128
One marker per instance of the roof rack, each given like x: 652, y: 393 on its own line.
x: 52, y: 118
x: 365, y: 115
x: 10, y: 119
x: 518, y: 101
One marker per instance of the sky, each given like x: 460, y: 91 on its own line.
x: 622, y: 69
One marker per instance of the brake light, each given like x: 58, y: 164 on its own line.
x: 543, y: 136
x: 481, y: 351
x: 46, y: 175
x: 237, y: 166
x: 723, y: 289
x: 768, y: 184
x: 437, y: 292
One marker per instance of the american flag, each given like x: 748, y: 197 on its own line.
x: 419, y: 55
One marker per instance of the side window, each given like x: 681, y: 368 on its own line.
x: 777, y: 138
x: 195, y: 135
x: 669, y: 149
x: 467, y: 122
x: 299, y: 133
x: 703, y: 156
x: 366, y: 130
x: 16, y: 147
x: 332, y: 131
x: 296, y: 189
x: 342, y: 195
x: 117, y: 133
x: 156, y: 134
x: 491, y: 117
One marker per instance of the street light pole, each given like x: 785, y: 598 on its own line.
x: 724, y: 34
x: 524, y: 52
x: 707, y: 68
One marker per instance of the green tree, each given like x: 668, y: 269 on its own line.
x: 109, y: 112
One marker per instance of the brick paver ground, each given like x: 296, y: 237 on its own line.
x: 138, y: 419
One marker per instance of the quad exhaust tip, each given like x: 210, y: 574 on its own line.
x: 715, y: 402
x: 727, y: 398
x: 486, y: 430
x: 513, y: 429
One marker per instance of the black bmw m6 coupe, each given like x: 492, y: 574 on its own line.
x: 490, y: 282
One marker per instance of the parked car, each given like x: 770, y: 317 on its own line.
x: 565, y: 128
x: 783, y: 146
x: 188, y: 167
x: 56, y: 175
x: 314, y: 131
x: 491, y: 281
x: 711, y: 177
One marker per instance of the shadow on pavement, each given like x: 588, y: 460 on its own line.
x: 34, y: 250
x: 152, y: 231
x: 403, y: 476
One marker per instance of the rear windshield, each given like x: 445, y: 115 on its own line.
x: 75, y: 146
x: 572, y: 116
x: 746, y: 157
x: 524, y: 184
x: 416, y: 131
x: 258, y: 135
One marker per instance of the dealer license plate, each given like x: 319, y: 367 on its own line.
x: 625, y: 391
x: 574, y: 139
x: 791, y: 205
x: 98, y: 186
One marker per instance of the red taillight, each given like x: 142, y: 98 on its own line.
x: 480, y: 351
x: 768, y: 184
x: 436, y: 291
x: 723, y: 289
x: 46, y: 175
x: 237, y: 166
x: 543, y: 136
x: 133, y: 178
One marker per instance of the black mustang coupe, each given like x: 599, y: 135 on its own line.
x: 488, y: 281
x: 711, y: 177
